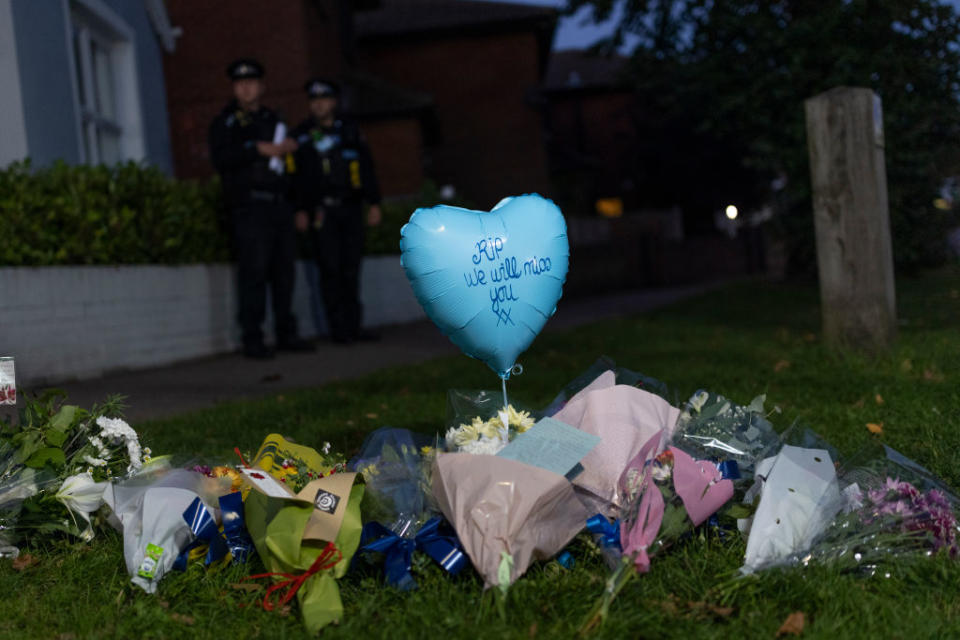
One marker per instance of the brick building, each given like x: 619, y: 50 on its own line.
x: 443, y: 89
x: 293, y: 39
x: 481, y: 62
x: 591, y: 123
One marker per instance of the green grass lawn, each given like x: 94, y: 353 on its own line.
x: 740, y: 341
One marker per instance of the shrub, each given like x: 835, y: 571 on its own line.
x: 124, y: 214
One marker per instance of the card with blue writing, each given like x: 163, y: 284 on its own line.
x: 551, y: 445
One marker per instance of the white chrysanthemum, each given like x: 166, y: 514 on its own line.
x: 116, y: 429
x: 94, y: 462
x: 484, y: 446
x: 133, y: 452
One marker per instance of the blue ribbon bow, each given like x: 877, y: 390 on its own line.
x: 204, y: 529
x: 442, y: 546
x: 608, y: 532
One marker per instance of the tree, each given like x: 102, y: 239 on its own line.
x: 739, y: 70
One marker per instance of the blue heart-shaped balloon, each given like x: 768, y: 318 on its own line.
x: 488, y: 279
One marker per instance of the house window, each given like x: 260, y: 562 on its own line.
x: 106, y: 85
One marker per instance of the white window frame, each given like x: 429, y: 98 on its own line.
x: 92, y: 21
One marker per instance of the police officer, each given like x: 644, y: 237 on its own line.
x: 335, y: 177
x: 251, y: 157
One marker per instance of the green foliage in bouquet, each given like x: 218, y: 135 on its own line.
x: 54, y: 464
x: 122, y: 214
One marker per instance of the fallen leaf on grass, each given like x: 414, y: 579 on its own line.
x: 372, y: 416
x: 932, y: 375
x: 859, y: 403
x: 781, y: 365
x: 24, y: 561
x: 182, y: 619
x: 533, y: 630
x: 875, y: 428
x: 793, y: 625
x: 245, y: 586
x: 878, y: 399
x: 906, y: 365
x: 163, y: 604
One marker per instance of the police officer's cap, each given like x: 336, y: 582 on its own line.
x: 321, y: 88
x: 245, y: 68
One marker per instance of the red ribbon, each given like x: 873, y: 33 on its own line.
x: 327, y: 559
x: 240, y: 455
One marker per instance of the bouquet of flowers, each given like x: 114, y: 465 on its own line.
x: 306, y: 538
x: 888, y: 506
x: 489, y: 436
x: 665, y: 496
x: 56, y: 463
x: 712, y: 427
x: 400, y: 514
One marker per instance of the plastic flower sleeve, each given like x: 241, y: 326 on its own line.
x: 799, y: 496
x: 150, y: 512
x: 392, y: 464
x: 712, y: 427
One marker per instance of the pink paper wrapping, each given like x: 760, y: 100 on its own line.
x: 496, y: 505
x: 624, y: 418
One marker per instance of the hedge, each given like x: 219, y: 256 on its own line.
x: 132, y: 214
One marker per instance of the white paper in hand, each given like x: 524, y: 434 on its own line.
x: 276, y: 163
x: 798, y: 499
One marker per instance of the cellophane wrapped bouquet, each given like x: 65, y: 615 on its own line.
x: 480, y: 423
x: 665, y: 496
x: 888, y: 506
x: 56, y: 463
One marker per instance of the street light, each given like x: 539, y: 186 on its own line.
x: 731, y: 212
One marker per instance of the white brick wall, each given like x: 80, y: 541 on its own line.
x: 79, y: 322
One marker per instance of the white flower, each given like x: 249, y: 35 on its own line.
x: 81, y: 495
x: 326, y: 447
x: 94, y: 462
x: 116, y: 429
x: 484, y: 446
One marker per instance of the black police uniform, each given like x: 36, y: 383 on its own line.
x: 262, y: 219
x: 335, y: 175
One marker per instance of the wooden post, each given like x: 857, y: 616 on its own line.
x: 852, y: 218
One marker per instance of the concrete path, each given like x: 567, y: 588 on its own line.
x: 205, y: 382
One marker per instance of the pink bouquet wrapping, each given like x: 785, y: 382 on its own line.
x: 625, y: 418
x: 664, y: 497
x: 506, y: 513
